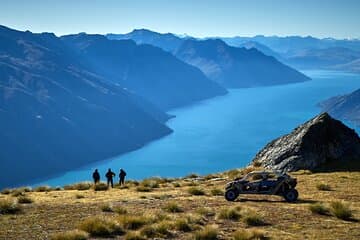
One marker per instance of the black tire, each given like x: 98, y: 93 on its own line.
x: 231, y: 195
x: 291, y: 195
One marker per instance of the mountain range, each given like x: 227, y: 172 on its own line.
x: 231, y: 67
x: 345, y: 107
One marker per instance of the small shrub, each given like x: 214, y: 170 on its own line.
x: 151, y: 183
x: 217, y: 192
x: 25, y: 200
x: 176, y: 184
x: 163, y: 228
x: 8, y: 206
x: 229, y: 214
x: 205, y: 211
x: 79, y: 186
x: 98, y: 227
x: 207, y: 233
x: 341, y: 210
x: 257, y: 164
x: 192, y: 175
x: 101, y: 187
x: 6, y: 191
x: 134, y: 236
x: 251, y: 218
x: 133, y: 222
x: 319, y: 208
x: 70, y: 235
x: 232, y: 174
x: 249, y: 235
x: 173, y: 207
x: 143, y: 189
x: 323, y: 187
x: 120, y: 210
x: 107, y: 208
x: 196, y: 191
x: 182, y: 225
x: 79, y: 196
x: 42, y: 189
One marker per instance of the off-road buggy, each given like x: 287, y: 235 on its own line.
x: 263, y: 182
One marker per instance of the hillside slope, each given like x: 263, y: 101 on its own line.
x: 146, y: 70
x: 281, y: 220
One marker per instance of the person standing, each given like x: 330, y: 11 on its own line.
x: 122, y: 175
x: 96, y: 176
x: 109, y: 176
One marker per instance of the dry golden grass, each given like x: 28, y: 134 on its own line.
x: 56, y: 212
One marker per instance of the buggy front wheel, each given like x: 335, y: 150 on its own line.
x: 291, y: 195
x: 231, y: 195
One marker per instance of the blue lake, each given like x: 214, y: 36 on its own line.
x: 224, y: 132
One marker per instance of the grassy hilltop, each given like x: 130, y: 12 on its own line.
x: 187, y: 208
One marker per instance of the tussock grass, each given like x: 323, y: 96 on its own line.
x: 192, y: 175
x: 323, y: 187
x: 79, y: 196
x: 176, y: 184
x: 319, y: 208
x: 42, y: 189
x: 159, y: 230
x: 107, y: 208
x: 205, y: 211
x: 25, y: 200
x: 6, y: 191
x: 232, y: 213
x: 217, y: 192
x: 8, y: 206
x: 70, y: 235
x: 183, y: 225
x: 341, y: 210
x: 79, y: 186
x: 249, y: 235
x: 98, y: 227
x: 133, y: 222
x: 196, y: 191
x: 173, y: 207
x: 101, y: 187
x: 151, y: 182
x: 251, y: 218
x: 120, y: 210
x: 207, y: 233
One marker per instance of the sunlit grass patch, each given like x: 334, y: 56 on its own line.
x: 231, y: 213
x: 173, y: 207
x: 8, y: 206
x: 134, y: 236
x: 70, y: 235
x: 341, y: 210
x: 244, y: 234
x: 319, y: 208
x: 207, y: 233
x: 25, y: 200
x: 98, y: 227
x: 196, y: 191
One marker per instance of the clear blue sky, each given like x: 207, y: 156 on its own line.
x: 320, y: 18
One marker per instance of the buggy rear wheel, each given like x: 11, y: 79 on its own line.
x: 291, y: 195
x: 231, y: 195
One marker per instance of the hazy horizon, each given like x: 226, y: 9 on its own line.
x: 320, y: 19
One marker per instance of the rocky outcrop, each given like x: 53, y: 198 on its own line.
x: 314, y: 144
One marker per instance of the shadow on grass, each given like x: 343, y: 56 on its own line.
x: 274, y: 200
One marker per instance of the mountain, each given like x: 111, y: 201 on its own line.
x: 346, y: 107
x: 236, y: 67
x: 57, y: 113
x: 322, y: 142
x: 262, y: 48
x: 167, y: 41
x: 353, y: 66
x: 284, y: 45
x: 322, y: 58
x: 146, y: 70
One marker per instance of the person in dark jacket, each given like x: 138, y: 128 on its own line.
x: 109, y: 176
x: 122, y: 175
x: 96, y: 176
